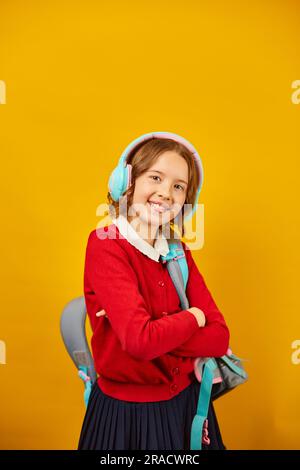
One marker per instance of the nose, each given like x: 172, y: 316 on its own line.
x: 165, y: 192
x: 163, y: 197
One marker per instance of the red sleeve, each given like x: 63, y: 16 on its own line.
x: 109, y: 273
x: 212, y: 340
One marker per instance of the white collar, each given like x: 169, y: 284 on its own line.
x: 161, y: 246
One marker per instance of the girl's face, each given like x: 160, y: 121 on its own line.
x: 165, y: 182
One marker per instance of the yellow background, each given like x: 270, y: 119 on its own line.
x: 83, y: 80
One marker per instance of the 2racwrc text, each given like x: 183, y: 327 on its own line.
x: 151, y: 459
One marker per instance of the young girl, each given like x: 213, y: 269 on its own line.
x: 144, y: 346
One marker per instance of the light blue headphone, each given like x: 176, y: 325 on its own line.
x: 120, y: 178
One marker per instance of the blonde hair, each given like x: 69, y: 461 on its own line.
x: 142, y: 158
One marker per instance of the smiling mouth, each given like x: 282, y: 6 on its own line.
x: 158, y: 208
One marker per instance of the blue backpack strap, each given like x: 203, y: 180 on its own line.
x: 82, y: 372
x: 177, y: 253
x: 233, y: 366
x: 203, y: 404
x: 178, y: 270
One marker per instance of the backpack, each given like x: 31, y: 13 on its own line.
x: 216, y: 375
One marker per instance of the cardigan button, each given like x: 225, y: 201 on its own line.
x: 161, y: 283
x: 174, y: 387
x: 175, y: 371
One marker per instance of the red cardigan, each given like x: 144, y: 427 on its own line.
x: 145, y: 349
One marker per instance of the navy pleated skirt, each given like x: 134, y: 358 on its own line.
x: 112, y: 424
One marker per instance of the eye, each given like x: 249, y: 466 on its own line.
x: 154, y: 176
x: 179, y: 185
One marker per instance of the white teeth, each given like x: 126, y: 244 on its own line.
x: 158, y: 207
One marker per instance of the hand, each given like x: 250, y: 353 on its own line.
x: 101, y: 313
x: 199, y: 315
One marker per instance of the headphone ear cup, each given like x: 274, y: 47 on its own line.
x: 119, y: 181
